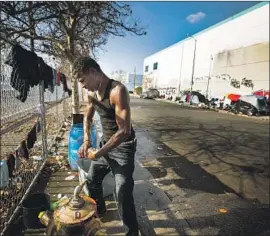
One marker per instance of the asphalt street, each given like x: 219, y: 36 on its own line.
x: 213, y: 167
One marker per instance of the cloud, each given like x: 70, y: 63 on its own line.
x: 193, y: 18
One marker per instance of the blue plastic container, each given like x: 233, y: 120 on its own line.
x: 75, y: 142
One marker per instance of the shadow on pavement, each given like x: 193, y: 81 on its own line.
x: 238, y: 157
x: 197, y: 196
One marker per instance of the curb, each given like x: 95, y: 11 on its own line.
x: 134, y: 95
x: 264, y: 118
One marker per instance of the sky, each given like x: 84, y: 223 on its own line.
x: 166, y: 23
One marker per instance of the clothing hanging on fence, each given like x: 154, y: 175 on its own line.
x: 25, y: 72
x: 31, y: 138
x: 63, y: 79
x: 11, y: 165
x: 38, y: 126
x: 58, y: 77
x: 17, y: 160
x: 54, y: 77
x: 4, y: 175
x: 46, y: 74
x: 23, y: 151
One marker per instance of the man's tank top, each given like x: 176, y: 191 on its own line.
x: 107, y: 114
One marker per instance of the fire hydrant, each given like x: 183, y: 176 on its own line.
x: 74, y: 216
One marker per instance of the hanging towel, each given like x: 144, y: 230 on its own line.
x: 23, y: 151
x: 11, y: 165
x: 4, y: 175
x: 31, y: 138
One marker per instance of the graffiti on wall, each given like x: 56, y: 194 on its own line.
x: 233, y: 82
x: 167, y: 92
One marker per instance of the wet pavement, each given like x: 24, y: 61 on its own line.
x: 211, y: 171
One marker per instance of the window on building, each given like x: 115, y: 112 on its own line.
x: 155, y: 66
x: 146, y: 68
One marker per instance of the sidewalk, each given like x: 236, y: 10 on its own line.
x: 154, y: 211
x: 63, y: 182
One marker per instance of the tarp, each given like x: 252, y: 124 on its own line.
x: 261, y: 92
x: 233, y: 97
x: 258, y: 102
x: 195, y: 99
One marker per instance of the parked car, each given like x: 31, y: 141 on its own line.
x: 150, y: 93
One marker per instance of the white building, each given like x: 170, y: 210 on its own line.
x: 235, y: 48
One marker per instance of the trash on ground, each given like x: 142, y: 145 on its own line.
x: 37, y: 158
x: 71, y: 177
x: 222, y: 210
x: 151, y: 191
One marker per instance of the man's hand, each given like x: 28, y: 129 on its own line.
x: 82, y: 153
x: 92, y: 154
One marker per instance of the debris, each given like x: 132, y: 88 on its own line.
x: 222, y: 210
x: 37, y: 158
x: 58, y: 158
x: 71, y: 177
x: 62, y: 144
x: 59, y: 195
x: 151, y: 191
x: 159, y: 148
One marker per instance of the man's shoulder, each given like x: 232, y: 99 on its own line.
x: 119, y: 89
x: 91, y: 96
x: 119, y: 94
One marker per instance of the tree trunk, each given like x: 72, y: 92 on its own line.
x: 74, y: 82
x: 75, y: 94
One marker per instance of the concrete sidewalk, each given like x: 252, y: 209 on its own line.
x: 154, y: 210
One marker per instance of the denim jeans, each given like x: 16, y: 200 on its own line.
x: 121, y: 162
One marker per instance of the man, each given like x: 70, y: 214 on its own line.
x: 117, y: 152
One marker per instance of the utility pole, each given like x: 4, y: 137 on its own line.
x: 193, y: 67
x: 179, y: 81
x: 134, y: 79
x: 209, y: 77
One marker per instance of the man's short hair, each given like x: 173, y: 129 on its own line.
x: 81, y: 65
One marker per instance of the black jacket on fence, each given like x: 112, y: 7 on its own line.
x: 27, y: 70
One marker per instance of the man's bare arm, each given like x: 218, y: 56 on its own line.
x: 87, y: 123
x: 120, y: 99
x: 88, y: 120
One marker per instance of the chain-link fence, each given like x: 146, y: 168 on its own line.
x: 24, y: 137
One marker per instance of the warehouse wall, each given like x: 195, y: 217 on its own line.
x: 235, y: 48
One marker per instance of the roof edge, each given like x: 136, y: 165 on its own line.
x: 261, y: 4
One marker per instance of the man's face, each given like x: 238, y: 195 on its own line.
x: 90, y: 80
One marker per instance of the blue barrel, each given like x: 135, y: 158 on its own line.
x: 75, y: 142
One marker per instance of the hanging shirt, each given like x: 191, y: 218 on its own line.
x: 25, y: 70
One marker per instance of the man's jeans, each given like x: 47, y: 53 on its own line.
x: 121, y: 162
